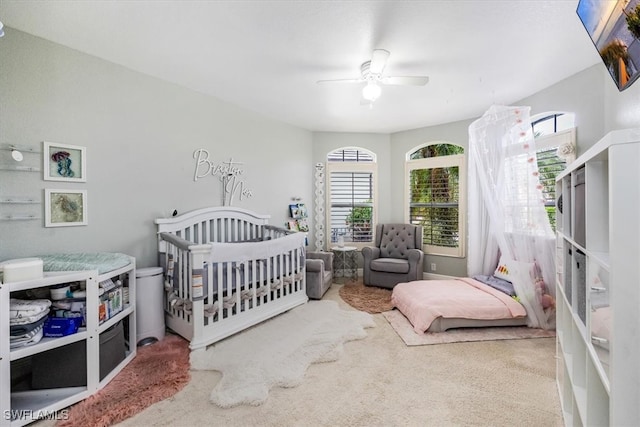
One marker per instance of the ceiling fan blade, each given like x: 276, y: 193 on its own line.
x: 378, y: 61
x: 341, y: 81
x: 406, y: 80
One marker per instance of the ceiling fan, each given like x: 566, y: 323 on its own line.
x: 371, y: 72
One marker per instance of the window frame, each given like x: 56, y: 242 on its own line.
x: 351, y: 166
x: 456, y: 160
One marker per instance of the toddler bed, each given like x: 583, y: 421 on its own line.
x: 227, y: 269
x: 438, y: 305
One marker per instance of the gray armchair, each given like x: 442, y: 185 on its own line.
x: 396, y: 258
x: 319, y: 266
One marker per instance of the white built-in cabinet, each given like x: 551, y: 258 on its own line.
x: 20, y: 407
x: 598, y: 284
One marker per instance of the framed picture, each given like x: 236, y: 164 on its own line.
x: 65, y: 208
x: 303, y: 225
x: 64, y: 162
x: 302, y: 210
x: 294, y: 211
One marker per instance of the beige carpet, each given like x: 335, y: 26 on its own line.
x: 379, y: 381
x: 279, y: 351
x: 404, y: 329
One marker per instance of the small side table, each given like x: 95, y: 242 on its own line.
x: 345, y: 262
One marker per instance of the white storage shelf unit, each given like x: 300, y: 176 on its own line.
x: 598, y: 276
x: 20, y: 407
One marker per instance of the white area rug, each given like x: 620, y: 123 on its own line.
x: 278, y: 351
x: 404, y: 329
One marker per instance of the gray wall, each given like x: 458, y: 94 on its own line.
x: 140, y: 134
x: 590, y: 94
x: 582, y: 94
x: 622, y: 109
x: 405, y: 142
x: 326, y: 142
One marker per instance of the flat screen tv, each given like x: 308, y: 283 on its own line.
x: 614, y: 28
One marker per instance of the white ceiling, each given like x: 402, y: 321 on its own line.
x: 266, y: 56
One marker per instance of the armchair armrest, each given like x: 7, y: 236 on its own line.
x: 315, y: 265
x: 370, y: 252
x: 416, y: 263
x: 414, y: 255
x: 326, y: 257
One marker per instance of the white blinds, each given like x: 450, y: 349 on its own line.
x: 434, y: 204
x: 351, y: 206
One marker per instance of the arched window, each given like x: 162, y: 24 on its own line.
x: 436, y: 177
x: 555, y: 137
x: 351, y: 187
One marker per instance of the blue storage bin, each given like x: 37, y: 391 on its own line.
x: 61, y: 326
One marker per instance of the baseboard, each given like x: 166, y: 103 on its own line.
x: 425, y: 276
x: 432, y: 276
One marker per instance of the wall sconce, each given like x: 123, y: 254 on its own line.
x: 15, y: 154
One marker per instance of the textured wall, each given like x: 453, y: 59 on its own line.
x: 140, y: 134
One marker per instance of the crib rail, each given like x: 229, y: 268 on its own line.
x: 217, y: 224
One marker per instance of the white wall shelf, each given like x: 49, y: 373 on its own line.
x: 598, y: 268
x: 18, y: 217
x: 19, y: 168
x: 19, y: 201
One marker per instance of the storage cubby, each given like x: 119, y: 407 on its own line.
x: 598, y: 265
x: 37, y: 380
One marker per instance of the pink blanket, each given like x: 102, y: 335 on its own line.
x: 423, y: 301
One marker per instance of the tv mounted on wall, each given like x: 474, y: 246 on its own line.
x: 614, y: 28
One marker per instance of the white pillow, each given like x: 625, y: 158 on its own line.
x: 507, y: 269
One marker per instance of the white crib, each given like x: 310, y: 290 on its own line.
x: 225, y: 270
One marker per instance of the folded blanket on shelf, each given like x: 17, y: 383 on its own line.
x: 26, y: 336
x: 29, y: 319
x: 28, y: 341
x: 18, y: 330
x: 27, y: 307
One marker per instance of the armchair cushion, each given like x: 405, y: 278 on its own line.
x: 390, y: 265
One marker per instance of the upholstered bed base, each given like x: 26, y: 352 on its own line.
x: 441, y: 324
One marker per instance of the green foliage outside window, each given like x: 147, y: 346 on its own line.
x: 359, y: 221
x: 633, y: 21
x: 435, y: 198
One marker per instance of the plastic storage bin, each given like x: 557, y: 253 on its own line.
x: 149, y: 305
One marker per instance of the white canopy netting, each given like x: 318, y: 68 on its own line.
x: 508, y: 224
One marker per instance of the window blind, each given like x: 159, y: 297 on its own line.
x: 434, y: 204
x: 351, y: 206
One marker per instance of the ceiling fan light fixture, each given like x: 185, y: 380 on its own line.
x: 371, y: 91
